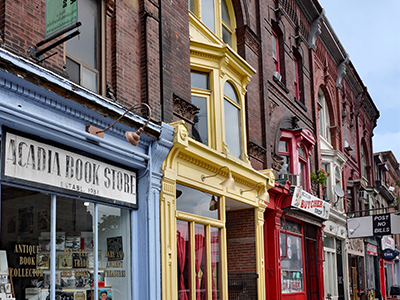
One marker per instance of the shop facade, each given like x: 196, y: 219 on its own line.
x: 79, y: 213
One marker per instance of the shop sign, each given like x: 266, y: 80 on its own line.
x: 60, y: 14
x: 39, y: 164
x: 388, y: 254
x: 309, y: 203
x: 387, y: 243
x: 372, y: 250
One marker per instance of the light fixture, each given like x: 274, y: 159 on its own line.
x: 132, y: 137
x: 229, y: 182
x: 264, y: 196
x: 213, y: 203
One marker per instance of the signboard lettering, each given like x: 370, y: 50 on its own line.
x: 309, y: 203
x: 388, y: 254
x: 381, y: 224
x: 32, y: 161
x: 60, y: 14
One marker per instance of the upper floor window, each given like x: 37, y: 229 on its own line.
x: 217, y: 16
x: 201, y: 98
x: 232, y: 120
x: 82, y: 52
x: 295, y: 147
x: 275, y: 51
x: 363, y: 162
x: 296, y: 78
x: 323, y: 114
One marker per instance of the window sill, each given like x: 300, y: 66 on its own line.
x: 281, y: 84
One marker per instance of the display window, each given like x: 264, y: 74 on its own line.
x: 81, y: 248
x: 198, y: 244
x: 291, y: 257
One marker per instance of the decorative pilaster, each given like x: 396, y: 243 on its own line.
x: 260, y: 261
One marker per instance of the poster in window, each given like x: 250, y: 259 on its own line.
x: 25, y: 220
x: 73, y: 240
x: 64, y: 261
x: 79, y: 261
x: 44, y: 243
x: 43, y: 260
x: 105, y: 294
x: 80, y: 295
x: 60, y: 240
x: 67, y: 295
x: 114, y: 248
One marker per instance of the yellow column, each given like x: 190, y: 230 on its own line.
x: 259, y: 219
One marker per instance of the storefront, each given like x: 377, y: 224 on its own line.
x: 386, y: 268
x: 294, y: 239
x: 79, y: 213
x: 372, y: 266
x: 212, y: 218
x: 357, y: 275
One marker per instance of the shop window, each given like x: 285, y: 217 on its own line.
x: 323, y: 115
x: 82, y: 52
x: 217, y: 16
x: 291, y: 249
x: 232, y: 120
x: 370, y: 272
x: 198, y: 244
x: 35, y: 266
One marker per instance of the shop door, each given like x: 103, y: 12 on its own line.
x: 339, y: 263
x: 312, y: 268
x: 388, y: 278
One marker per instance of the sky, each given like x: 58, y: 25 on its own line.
x: 369, y: 31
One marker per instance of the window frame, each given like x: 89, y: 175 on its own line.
x: 276, y: 51
x: 296, y: 78
x: 100, y: 59
x: 324, y: 118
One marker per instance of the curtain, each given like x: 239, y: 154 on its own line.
x: 199, y: 245
x: 214, y: 250
x: 181, y: 238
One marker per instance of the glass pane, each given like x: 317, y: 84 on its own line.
x: 73, y: 71
x: 274, y: 50
x: 291, y: 264
x: 84, y: 47
x: 225, y: 13
x: 183, y: 252
x: 285, y: 166
x: 199, y: 80
x: 208, y: 14
x: 302, y: 152
x: 226, y: 36
x: 233, y: 137
x: 283, y: 147
x: 328, y: 242
x: 200, y: 261
x: 196, y: 202
x: 89, y: 79
x: 25, y: 241
x: 74, y: 244
x: 215, y: 266
x: 191, y: 6
x: 230, y: 91
x: 200, y: 127
x: 114, y: 229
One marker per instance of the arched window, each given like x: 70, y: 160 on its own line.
x: 363, y: 163
x: 232, y: 108
x: 217, y: 16
x: 323, y: 114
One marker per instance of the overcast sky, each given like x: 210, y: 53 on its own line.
x: 369, y: 31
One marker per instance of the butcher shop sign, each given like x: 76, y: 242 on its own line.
x: 43, y: 165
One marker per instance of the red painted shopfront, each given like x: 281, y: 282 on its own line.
x: 293, y: 244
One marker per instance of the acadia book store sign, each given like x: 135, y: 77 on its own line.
x: 45, y: 165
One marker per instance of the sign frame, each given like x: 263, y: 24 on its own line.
x: 59, y: 17
x: 65, y: 190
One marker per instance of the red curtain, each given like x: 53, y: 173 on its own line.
x: 181, y: 238
x: 214, y: 249
x: 199, y: 244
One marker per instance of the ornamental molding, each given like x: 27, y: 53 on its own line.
x: 257, y: 152
x: 248, y: 38
x: 184, y: 109
x: 355, y: 246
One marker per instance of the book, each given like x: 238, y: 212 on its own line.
x: 105, y: 294
x: 60, y: 240
x: 3, y: 263
x: 80, y: 295
x: 114, y: 248
x: 64, y: 261
x: 43, y: 260
x: 87, y: 240
x: 44, y: 243
x: 73, y: 240
x: 67, y: 295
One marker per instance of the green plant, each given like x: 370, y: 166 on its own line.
x: 320, y: 176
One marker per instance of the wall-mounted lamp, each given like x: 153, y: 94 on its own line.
x: 229, y: 182
x: 264, y: 196
x: 132, y: 137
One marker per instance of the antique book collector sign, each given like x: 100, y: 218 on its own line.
x: 29, y: 160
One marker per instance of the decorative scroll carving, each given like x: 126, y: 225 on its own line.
x: 355, y: 246
x: 277, y: 162
x: 184, y: 109
x: 257, y: 152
